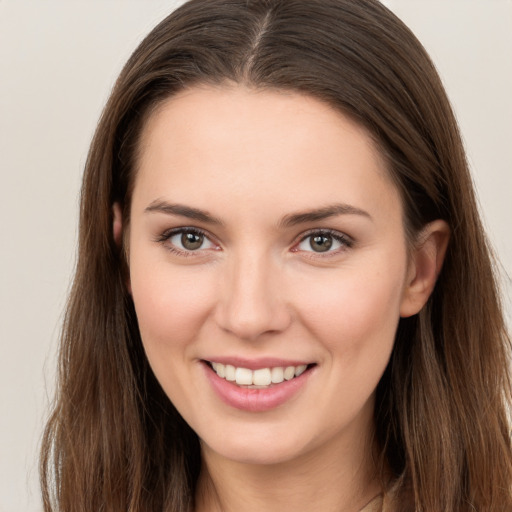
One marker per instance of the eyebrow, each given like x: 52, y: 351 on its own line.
x: 183, y: 211
x: 321, y: 214
x: 287, y: 221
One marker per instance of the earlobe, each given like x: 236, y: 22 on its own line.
x: 425, y: 265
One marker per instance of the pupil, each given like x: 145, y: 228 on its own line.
x: 321, y: 243
x: 191, y: 241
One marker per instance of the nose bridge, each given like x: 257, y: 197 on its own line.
x: 251, y: 301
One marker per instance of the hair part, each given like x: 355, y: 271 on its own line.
x: 115, y: 441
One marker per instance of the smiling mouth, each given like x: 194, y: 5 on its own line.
x: 261, y: 378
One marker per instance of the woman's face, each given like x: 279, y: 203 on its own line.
x: 266, y: 241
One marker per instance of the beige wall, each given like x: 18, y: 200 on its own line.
x: 58, y: 60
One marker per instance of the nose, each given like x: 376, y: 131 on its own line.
x: 251, y: 301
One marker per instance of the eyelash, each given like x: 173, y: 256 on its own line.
x: 167, y: 235
x: 345, y: 241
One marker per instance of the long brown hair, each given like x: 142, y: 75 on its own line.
x: 114, y: 441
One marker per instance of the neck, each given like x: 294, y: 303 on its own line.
x: 338, y: 478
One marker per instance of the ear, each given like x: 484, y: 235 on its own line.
x: 426, y: 261
x: 117, y: 224
x: 117, y: 231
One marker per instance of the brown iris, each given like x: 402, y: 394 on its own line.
x: 192, y: 241
x: 320, y: 243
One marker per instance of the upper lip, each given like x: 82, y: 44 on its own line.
x: 257, y: 363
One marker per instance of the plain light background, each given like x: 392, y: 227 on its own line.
x: 58, y: 61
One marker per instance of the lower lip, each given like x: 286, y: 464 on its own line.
x: 255, y: 400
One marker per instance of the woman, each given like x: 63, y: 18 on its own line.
x: 284, y: 298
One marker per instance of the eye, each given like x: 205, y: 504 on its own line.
x: 323, y: 242
x: 186, y: 240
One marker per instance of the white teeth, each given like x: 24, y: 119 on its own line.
x: 243, y: 376
x: 277, y: 375
x: 221, y: 370
x: 260, y: 378
x: 230, y: 373
x: 289, y: 372
x: 300, y: 369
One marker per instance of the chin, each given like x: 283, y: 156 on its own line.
x: 255, y: 448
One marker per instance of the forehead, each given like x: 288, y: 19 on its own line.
x: 244, y: 143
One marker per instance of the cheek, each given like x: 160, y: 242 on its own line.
x: 171, y: 306
x: 355, y: 322
x: 355, y: 314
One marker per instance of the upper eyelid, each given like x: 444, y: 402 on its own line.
x: 333, y: 232
x: 168, y: 233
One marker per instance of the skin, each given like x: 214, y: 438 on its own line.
x: 257, y: 288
